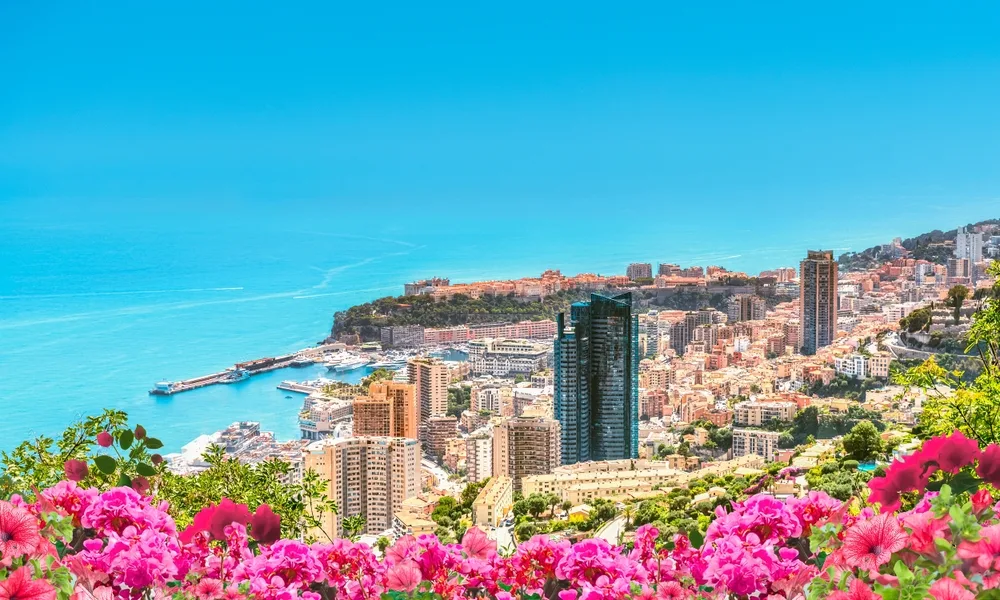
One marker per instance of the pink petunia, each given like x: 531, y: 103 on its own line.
x: 18, y: 531
x: 404, y: 576
x: 19, y: 585
x: 870, y: 544
x: 477, y: 545
x: 949, y: 589
x: 858, y: 590
x: 950, y: 453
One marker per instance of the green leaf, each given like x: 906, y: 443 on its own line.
x: 105, y: 463
x: 124, y: 480
x: 145, y: 470
x: 125, y: 439
x: 902, y: 571
x: 993, y: 594
x: 696, y: 537
x: 153, y: 443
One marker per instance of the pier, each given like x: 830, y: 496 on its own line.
x: 251, y: 367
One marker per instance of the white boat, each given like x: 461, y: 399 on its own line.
x: 234, y: 375
x: 350, y: 365
x: 301, y: 361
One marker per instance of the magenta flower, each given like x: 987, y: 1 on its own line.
x: 104, y: 439
x: 950, y: 453
x: 265, y: 526
x: 858, y: 590
x: 75, y: 470
x: 989, y: 465
x: 140, y: 432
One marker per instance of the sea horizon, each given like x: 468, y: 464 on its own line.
x: 92, y: 314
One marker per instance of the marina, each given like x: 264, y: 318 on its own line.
x: 243, y: 371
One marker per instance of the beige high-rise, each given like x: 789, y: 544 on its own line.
x: 389, y: 409
x: 367, y: 476
x: 430, y: 376
x: 525, y: 446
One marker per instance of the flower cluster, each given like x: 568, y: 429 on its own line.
x: 76, y: 543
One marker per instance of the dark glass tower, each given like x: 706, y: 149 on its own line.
x: 597, y: 380
x: 817, y: 301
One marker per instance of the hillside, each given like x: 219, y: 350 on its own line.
x: 920, y: 247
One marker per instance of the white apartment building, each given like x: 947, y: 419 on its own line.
x: 755, y: 441
x: 507, y: 357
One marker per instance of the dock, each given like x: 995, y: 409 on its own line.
x: 252, y: 367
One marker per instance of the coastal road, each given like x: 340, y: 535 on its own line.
x: 611, y: 531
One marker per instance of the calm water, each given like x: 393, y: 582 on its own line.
x: 94, y: 311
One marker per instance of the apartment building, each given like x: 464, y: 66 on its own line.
x: 755, y: 441
x: 389, y: 410
x: 524, y: 446
x: 366, y: 476
x: 494, y: 501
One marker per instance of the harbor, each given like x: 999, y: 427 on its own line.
x: 245, y: 370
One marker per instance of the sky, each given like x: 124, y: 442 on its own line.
x: 585, y: 114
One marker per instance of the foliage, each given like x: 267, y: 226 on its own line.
x: 863, y: 442
x: 380, y: 374
x: 973, y: 407
x: 842, y: 386
x: 454, y: 516
x: 459, y: 400
x: 918, y: 320
x: 956, y: 297
x: 366, y: 319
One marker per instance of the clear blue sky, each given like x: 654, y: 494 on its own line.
x: 482, y: 111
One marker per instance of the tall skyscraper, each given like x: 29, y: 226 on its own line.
x: 366, y: 476
x: 525, y: 446
x: 389, y: 409
x: 817, y: 301
x: 430, y: 376
x: 597, y: 380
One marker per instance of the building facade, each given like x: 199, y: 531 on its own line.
x: 430, y: 378
x: 746, y: 307
x: 755, y: 441
x: 479, y: 455
x: 817, y: 301
x: 493, y: 502
x: 597, y: 380
x: 368, y: 477
x: 639, y: 271
x: 506, y: 357
x: 524, y: 446
x: 389, y: 410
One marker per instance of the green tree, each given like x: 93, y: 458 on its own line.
x: 382, y: 543
x: 863, y: 443
x: 354, y: 526
x: 566, y: 505
x: 380, y: 374
x: 536, y: 504
x: 956, y: 297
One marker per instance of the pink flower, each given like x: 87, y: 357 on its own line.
x: 140, y: 485
x: 214, y: 519
x: 156, y: 459
x: 477, y: 545
x: 950, y: 453
x: 404, y: 548
x: 986, y: 551
x: 906, y: 475
x: 870, y: 544
x: 925, y: 528
x: 981, y: 501
x: 857, y: 590
x: 989, y: 465
x: 404, y: 576
x: 949, y: 589
x: 75, y: 470
x: 18, y: 531
x: 20, y: 586
x: 265, y: 526
x: 104, y: 439
x: 140, y: 432
x: 208, y: 589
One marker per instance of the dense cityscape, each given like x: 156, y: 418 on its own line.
x: 623, y: 408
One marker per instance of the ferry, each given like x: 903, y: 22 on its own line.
x: 234, y: 375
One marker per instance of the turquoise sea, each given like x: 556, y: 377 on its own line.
x: 96, y: 307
